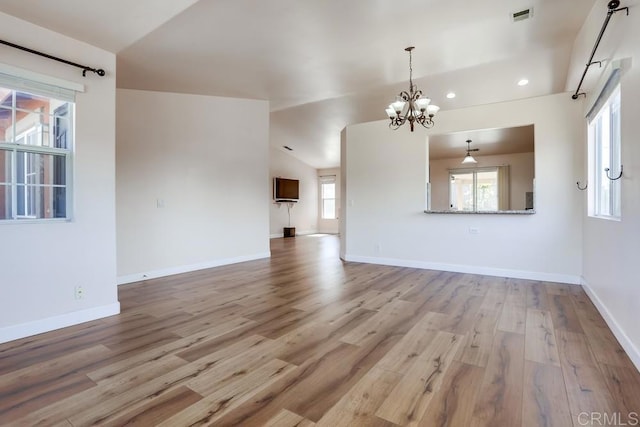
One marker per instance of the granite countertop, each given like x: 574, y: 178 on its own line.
x: 519, y: 212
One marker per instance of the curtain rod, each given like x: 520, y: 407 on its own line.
x: 85, y: 68
x: 613, y: 8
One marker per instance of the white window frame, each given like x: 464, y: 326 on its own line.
x: 328, y: 180
x: 14, y: 147
x: 603, y: 121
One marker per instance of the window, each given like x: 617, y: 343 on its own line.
x: 36, y: 141
x: 604, y: 152
x: 328, y: 197
x: 474, y: 190
x: 479, y: 190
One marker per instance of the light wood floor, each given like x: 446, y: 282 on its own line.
x: 303, y: 339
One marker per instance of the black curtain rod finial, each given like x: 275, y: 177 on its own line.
x: 613, y: 4
x: 99, y: 71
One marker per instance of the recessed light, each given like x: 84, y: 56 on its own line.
x: 451, y: 95
x: 523, y: 82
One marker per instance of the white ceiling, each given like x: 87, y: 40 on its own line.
x: 325, y: 64
x: 518, y: 139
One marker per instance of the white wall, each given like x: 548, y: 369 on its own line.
x: 304, y: 213
x: 385, y: 198
x: 329, y: 225
x: 521, y: 173
x: 43, y: 262
x: 610, y: 253
x: 199, y: 158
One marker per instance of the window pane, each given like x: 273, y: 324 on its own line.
x: 5, y: 166
x: 487, y: 191
x: 604, y: 133
x: 461, y: 191
x: 59, y: 202
x: 6, y: 125
x: 614, y: 154
x: 61, y: 132
x: 32, y: 129
x: 329, y: 191
x: 34, y: 103
x: 329, y: 209
x: 38, y: 168
x: 37, y: 202
x: 5, y: 202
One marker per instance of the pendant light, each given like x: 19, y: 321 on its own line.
x: 469, y: 158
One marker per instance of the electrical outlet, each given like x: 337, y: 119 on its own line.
x: 79, y: 292
x: 473, y: 230
x: 377, y: 248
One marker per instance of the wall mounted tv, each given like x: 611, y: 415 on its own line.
x: 285, y: 190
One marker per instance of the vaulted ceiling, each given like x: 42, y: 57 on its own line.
x: 325, y: 64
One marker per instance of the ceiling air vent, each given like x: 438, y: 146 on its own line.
x: 523, y: 14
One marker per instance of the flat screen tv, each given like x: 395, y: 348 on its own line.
x: 285, y: 190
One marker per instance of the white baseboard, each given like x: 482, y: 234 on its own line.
x: 154, y: 274
x: 14, y: 332
x: 471, y: 269
x: 631, y: 350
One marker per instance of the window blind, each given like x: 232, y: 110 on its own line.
x: 607, y: 90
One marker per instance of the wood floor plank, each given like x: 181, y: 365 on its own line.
x: 358, y: 405
x: 230, y: 396
x: 409, y: 399
x: 563, y: 314
x: 156, y: 411
x: 286, y: 418
x: 545, y: 398
x: 462, y: 316
x: 537, y: 296
x: 310, y: 390
x: 479, y: 340
x: 540, y: 340
x: 516, y: 292
x: 624, y: 385
x: 500, y: 398
x: 396, y: 313
x: 512, y: 318
x: 586, y: 387
x: 304, y: 337
x: 47, y: 382
x: 453, y: 406
x: 411, y: 346
x: 606, y: 347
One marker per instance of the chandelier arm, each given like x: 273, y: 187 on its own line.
x: 405, y: 96
x: 427, y: 123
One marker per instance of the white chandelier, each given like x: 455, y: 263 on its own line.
x: 411, y: 106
